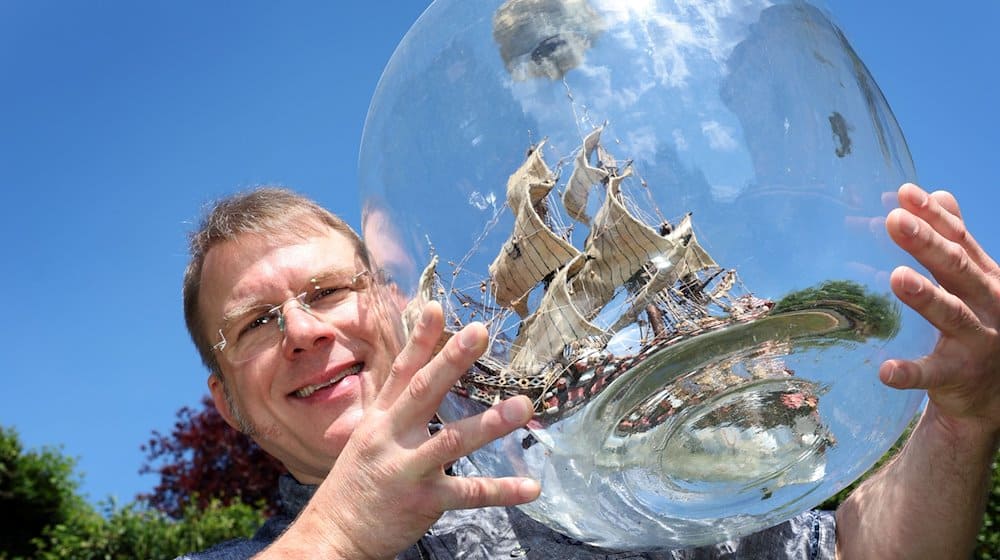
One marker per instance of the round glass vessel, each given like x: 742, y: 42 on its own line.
x: 670, y: 217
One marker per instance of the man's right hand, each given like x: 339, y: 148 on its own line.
x: 388, y: 486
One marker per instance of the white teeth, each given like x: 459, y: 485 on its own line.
x: 306, y: 391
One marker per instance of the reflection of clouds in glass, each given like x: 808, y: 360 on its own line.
x: 638, y: 26
x: 668, y: 44
x: 649, y: 75
x: 549, y: 109
x: 599, y: 92
x: 725, y: 193
x: 483, y: 202
x: 626, y: 341
x: 671, y: 38
x: 680, y: 142
x: 719, y: 26
x: 719, y: 137
x: 643, y: 144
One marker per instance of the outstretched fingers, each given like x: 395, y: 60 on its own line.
x: 948, y: 261
x: 415, y: 354
x: 959, y: 373
x: 459, y: 492
x: 429, y: 385
x: 924, y: 373
x: 940, y: 210
x: 462, y: 437
x: 946, y: 311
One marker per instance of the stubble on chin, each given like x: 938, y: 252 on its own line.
x: 243, y: 424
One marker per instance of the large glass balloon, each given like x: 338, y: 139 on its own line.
x: 669, y: 214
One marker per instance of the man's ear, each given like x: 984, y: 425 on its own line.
x: 218, y: 390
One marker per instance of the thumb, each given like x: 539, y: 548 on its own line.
x: 923, y: 373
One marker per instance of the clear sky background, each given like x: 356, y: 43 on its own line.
x: 119, y: 120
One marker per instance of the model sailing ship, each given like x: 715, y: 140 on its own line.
x: 669, y: 285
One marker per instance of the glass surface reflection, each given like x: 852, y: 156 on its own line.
x: 669, y: 217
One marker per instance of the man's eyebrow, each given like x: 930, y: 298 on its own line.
x: 334, y: 272
x: 242, y: 309
x: 253, y: 303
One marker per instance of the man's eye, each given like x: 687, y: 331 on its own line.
x: 328, y: 294
x: 257, y: 323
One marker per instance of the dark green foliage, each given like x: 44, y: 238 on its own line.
x: 40, y: 485
x: 42, y: 516
x: 988, y: 541
x: 37, y: 489
x: 870, y: 315
x: 136, y: 531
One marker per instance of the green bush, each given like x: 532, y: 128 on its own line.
x: 37, y: 489
x: 137, y: 531
x: 988, y: 541
x: 43, y: 516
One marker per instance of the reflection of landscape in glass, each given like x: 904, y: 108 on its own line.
x: 725, y: 406
x: 866, y: 314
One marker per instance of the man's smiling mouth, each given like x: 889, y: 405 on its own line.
x: 309, y: 390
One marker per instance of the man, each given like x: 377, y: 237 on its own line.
x: 280, y: 300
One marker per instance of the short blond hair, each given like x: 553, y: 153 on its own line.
x: 261, y: 211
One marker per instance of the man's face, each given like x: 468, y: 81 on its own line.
x: 306, y: 433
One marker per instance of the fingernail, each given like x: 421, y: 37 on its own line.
x: 911, y: 285
x: 890, y: 374
x: 908, y: 224
x: 467, y: 339
x: 897, y: 378
x: 513, y: 410
x: 917, y: 195
x: 529, y: 487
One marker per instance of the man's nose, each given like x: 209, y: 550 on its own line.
x: 304, y: 330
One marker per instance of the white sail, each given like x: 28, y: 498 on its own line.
x: 425, y: 293
x: 721, y: 290
x: 688, y: 257
x: 557, y: 322
x: 533, y: 250
x: 619, y: 246
x: 696, y: 257
x: 584, y: 176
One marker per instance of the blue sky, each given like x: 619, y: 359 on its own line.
x: 119, y: 120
